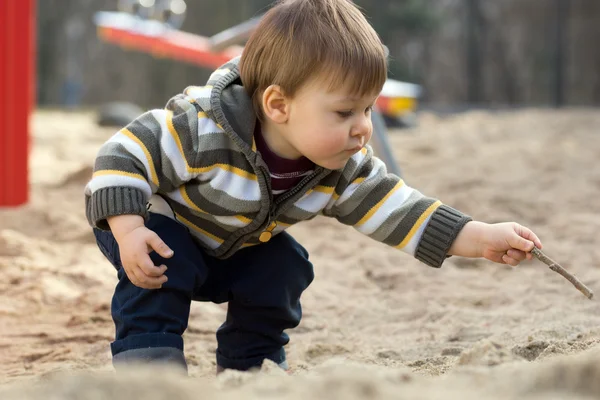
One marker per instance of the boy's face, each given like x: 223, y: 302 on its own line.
x: 328, y: 127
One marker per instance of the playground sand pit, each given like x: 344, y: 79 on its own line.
x: 377, y: 324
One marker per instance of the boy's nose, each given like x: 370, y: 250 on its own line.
x: 362, y: 128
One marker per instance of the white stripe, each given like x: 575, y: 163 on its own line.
x: 232, y: 221
x: 207, y: 126
x: 279, y: 228
x: 395, y: 201
x: 279, y: 191
x: 219, y: 73
x: 135, y: 149
x: 353, y: 187
x: 169, y: 146
x: 104, y: 181
x: 411, y: 247
x: 234, y: 185
x: 314, y: 201
x: 199, y: 91
x: 289, y: 175
x: 176, y: 196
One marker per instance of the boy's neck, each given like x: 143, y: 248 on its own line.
x: 275, y: 139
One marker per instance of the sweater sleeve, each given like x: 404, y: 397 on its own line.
x: 152, y: 153
x: 383, y: 207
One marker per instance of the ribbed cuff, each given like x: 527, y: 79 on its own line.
x: 111, y: 201
x: 440, y: 233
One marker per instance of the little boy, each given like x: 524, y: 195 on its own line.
x: 191, y: 202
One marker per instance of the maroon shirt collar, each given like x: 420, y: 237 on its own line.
x: 277, y: 163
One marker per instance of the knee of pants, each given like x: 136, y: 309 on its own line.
x: 295, y: 260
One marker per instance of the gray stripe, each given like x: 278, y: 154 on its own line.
x: 409, y: 221
x: 333, y: 180
x: 146, y: 130
x: 365, y: 198
x: 223, y: 204
x: 294, y: 215
x: 203, y: 221
x: 185, y: 122
x: 123, y: 162
x: 221, y: 156
x: 396, y: 217
x: 216, y: 141
x: 219, y: 197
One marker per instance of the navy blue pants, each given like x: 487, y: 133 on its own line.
x: 262, y: 285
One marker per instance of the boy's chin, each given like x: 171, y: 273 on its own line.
x: 332, y: 164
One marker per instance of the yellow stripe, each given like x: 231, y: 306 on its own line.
x: 253, y: 144
x: 419, y: 222
x: 249, y: 244
x: 198, y: 229
x: 131, y: 136
x: 173, y: 133
x: 324, y: 189
x: 357, y: 181
x: 106, y: 172
x: 201, y: 115
x: 189, y: 201
x: 378, y: 205
x: 243, y: 219
x: 363, y: 150
x: 226, y: 167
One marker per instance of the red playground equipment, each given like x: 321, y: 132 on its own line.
x: 17, y: 97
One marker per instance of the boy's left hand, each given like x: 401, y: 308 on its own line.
x: 507, y: 243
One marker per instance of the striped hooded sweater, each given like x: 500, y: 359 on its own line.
x: 199, y: 154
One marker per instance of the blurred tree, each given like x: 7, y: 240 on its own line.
x: 512, y: 59
x: 402, y: 24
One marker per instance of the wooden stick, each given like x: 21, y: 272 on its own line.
x: 554, y: 266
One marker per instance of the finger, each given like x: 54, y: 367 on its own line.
x: 148, y: 268
x: 135, y: 276
x: 528, y: 234
x: 148, y: 282
x: 517, y: 254
x: 520, y: 243
x: 159, y: 246
x: 509, y: 260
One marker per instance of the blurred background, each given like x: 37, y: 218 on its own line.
x: 463, y: 53
x: 526, y: 73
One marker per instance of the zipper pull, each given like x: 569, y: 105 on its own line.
x: 267, y: 233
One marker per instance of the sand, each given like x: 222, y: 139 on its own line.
x: 377, y: 324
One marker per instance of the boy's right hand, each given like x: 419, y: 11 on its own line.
x: 136, y: 242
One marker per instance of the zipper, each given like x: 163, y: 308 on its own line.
x: 267, y: 234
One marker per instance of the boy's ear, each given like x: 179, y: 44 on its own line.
x: 275, y: 104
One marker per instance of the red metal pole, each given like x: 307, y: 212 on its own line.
x: 17, y: 97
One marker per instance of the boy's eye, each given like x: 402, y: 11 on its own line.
x: 344, y: 114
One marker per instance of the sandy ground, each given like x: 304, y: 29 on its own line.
x: 377, y: 323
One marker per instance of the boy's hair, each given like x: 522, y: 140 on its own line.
x: 298, y: 40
